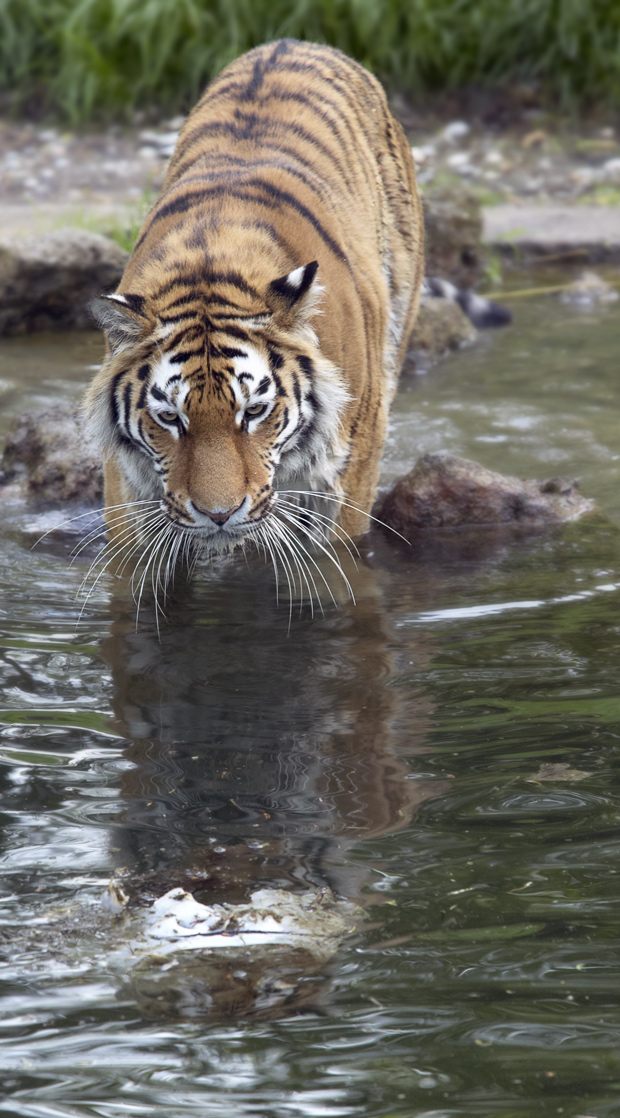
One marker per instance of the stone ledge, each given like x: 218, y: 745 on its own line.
x: 590, y: 233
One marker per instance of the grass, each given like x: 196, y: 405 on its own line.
x: 82, y: 59
x: 122, y: 227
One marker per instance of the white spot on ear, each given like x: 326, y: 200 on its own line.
x: 117, y: 299
x: 294, y: 278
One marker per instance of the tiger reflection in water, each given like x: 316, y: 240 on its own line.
x: 260, y: 756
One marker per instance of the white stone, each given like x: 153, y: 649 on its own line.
x: 456, y: 130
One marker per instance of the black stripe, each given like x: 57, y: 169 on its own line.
x: 183, y: 355
x: 276, y: 359
x: 274, y: 194
x: 183, y: 300
x: 225, y: 316
x: 296, y: 388
x: 188, y: 279
x: 236, y: 332
x: 116, y: 419
x: 306, y: 366
x: 245, y: 128
x: 172, y: 318
x: 210, y: 174
x: 306, y: 435
x: 127, y: 407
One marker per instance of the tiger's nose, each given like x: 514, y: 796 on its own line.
x: 218, y: 516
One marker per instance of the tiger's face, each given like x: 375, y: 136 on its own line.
x: 209, y: 414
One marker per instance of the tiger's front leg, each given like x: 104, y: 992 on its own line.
x: 121, y: 523
x: 358, y: 484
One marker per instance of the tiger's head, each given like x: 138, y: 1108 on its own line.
x: 211, y: 397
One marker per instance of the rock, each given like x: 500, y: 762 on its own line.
x: 186, y: 959
x: 48, y: 450
x: 440, y: 327
x: 47, y: 281
x: 456, y: 130
x: 443, y: 491
x: 557, y: 770
x: 528, y: 232
x: 453, y: 232
x: 589, y: 290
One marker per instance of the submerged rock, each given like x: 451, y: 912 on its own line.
x: 183, y: 958
x: 440, y: 327
x: 48, y: 455
x: 443, y: 491
x: 46, y: 282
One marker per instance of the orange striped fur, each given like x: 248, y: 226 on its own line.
x: 256, y: 337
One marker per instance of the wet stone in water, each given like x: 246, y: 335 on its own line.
x: 48, y: 455
x: 444, y: 491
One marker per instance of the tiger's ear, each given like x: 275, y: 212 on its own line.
x: 292, y: 298
x: 123, y: 317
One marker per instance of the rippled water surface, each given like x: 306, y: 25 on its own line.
x: 445, y: 754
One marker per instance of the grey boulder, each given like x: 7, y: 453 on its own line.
x: 47, y: 281
x: 48, y: 455
x: 444, y: 491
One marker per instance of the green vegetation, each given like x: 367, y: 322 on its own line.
x: 122, y: 227
x: 85, y: 58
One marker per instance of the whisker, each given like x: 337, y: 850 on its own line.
x: 296, y: 546
x: 314, y: 514
x: 144, y: 520
x: 347, y: 504
x: 300, y: 563
x: 261, y: 533
x: 115, y: 548
x: 333, y: 559
x: 308, y: 530
x: 315, y: 564
x: 155, y: 582
x: 90, y: 512
x: 153, y: 540
x: 279, y: 551
x: 159, y: 546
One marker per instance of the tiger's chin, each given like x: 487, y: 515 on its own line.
x: 203, y: 545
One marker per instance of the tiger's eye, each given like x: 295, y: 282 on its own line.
x: 168, y: 415
x: 255, y: 409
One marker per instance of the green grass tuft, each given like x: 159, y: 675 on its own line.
x: 87, y: 58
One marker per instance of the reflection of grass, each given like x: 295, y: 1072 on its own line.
x: 96, y: 721
x: 91, y: 56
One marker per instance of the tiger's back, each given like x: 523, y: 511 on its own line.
x: 291, y: 182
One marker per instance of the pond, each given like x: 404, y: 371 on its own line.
x: 445, y: 754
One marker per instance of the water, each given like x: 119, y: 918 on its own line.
x: 444, y: 754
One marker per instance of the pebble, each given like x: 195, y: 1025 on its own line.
x: 458, y: 159
x: 611, y: 169
x: 456, y: 130
x: 589, y: 290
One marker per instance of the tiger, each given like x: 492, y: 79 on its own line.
x: 254, y: 343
